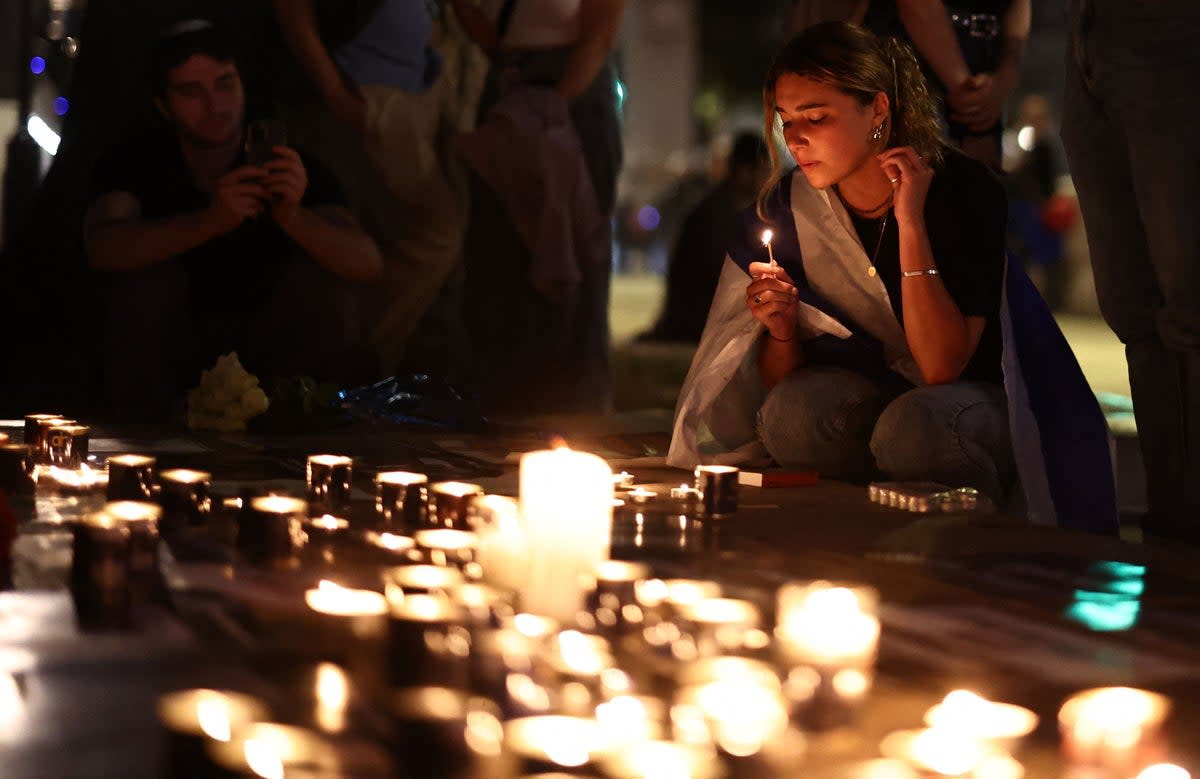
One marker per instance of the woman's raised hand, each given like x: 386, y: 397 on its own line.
x: 772, y: 297
x: 911, y: 176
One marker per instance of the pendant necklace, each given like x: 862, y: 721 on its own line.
x: 882, y: 229
x: 871, y: 271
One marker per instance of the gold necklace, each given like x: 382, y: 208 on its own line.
x: 882, y: 229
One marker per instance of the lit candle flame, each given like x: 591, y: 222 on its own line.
x: 767, y: 235
x: 263, y: 759
x: 213, y: 716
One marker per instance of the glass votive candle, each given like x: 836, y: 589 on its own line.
x: 41, y: 437
x: 193, y: 717
x: 401, y: 500
x: 428, y: 643
x: 141, y: 518
x: 431, y: 730
x: 186, y: 498
x: 358, y: 621
x: 99, y: 579
x: 268, y: 531
x: 657, y: 758
x: 392, y: 549
x: 485, y: 608
x: 404, y: 580
x: 976, y: 717
x: 717, y: 491
x: 323, y: 535
x: 827, y: 635
x: 612, y: 600
x: 33, y: 425
x: 449, y: 548
x: 269, y: 750
x: 736, y: 715
x: 500, y: 668
x: 1118, y: 730
x: 328, y: 478
x: 451, y: 504
x: 576, y: 667
x: 67, y: 445
x: 714, y: 627
x: 555, y: 743
x: 16, y: 469
x: 628, y: 720
x: 660, y: 601
x: 131, y: 477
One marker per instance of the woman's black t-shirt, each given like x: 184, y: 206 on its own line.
x: 966, y: 213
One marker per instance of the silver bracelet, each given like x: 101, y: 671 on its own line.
x: 925, y: 272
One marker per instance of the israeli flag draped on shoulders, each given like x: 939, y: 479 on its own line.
x: 1059, y: 435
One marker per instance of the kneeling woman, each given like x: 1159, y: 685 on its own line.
x: 879, y: 332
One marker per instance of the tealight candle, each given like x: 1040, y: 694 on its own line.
x: 328, y: 478
x: 331, y: 697
x: 432, y: 727
x: 186, y: 498
x: 717, y: 489
x: 358, y: 619
x: 549, y: 743
x: 404, y: 580
x: 936, y: 751
x: 391, y: 549
x: 612, y: 602
x: 80, y: 481
x: 193, y: 717
x: 99, y: 580
x: 741, y: 717
x: 323, y: 534
x: 67, y: 445
x: 1117, y: 729
x: 827, y: 635
x: 41, y: 438
x: 451, y: 504
x: 268, y: 750
x: 131, y: 477
x: 979, y: 718
x: 428, y: 644
x: 141, y: 518
x: 628, y: 720
x: 664, y: 759
x: 623, y: 480
x: 33, y: 425
x: 566, y: 502
x: 640, y: 495
x: 268, y: 531
x: 449, y: 548
x: 485, y: 607
x: 401, y: 501
x: 499, y: 657
x: 719, y: 626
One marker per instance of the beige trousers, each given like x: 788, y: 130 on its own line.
x: 395, y: 184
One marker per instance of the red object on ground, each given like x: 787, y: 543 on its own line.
x: 778, y: 477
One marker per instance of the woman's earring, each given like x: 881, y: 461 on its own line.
x: 878, y: 133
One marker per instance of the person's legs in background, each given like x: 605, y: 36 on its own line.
x: 1129, y: 129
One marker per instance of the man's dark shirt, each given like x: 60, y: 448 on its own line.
x: 233, y: 274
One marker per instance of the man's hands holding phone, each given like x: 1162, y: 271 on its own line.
x: 246, y: 192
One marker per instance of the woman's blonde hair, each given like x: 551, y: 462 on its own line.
x: 861, y: 65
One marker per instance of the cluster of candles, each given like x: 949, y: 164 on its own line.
x: 503, y: 623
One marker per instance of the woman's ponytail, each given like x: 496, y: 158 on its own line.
x: 914, y: 120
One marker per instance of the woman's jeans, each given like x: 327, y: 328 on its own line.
x: 845, y: 426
